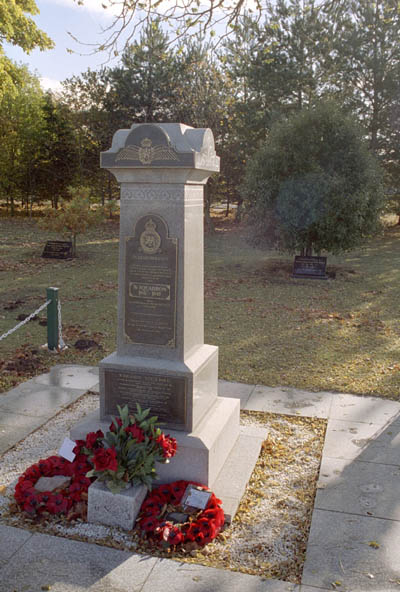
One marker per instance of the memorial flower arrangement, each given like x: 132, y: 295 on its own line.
x: 128, y: 453
x: 65, y: 500
x: 166, y: 523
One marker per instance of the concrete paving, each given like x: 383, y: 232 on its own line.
x: 354, y: 541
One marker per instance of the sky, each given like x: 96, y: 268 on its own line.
x: 56, y: 18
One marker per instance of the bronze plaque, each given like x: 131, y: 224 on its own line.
x: 164, y: 395
x: 150, y: 276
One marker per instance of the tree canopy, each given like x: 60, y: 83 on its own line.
x: 18, y: 29
x: 314, y: 185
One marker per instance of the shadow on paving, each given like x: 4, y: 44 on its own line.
x: 354, y: 541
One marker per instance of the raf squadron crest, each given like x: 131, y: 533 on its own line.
x: 146, y: 153
x: 150, y: 240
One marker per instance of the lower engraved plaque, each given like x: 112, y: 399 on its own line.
x: 165, y: 396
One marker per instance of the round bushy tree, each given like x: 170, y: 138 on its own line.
x: 314, y: 185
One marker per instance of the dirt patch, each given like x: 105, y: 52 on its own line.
x: 26, y: 362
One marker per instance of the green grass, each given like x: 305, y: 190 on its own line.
x: 342, y: 334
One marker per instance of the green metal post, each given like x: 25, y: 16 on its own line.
x: 52, y: 318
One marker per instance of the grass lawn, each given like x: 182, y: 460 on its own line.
x: 342, y: 334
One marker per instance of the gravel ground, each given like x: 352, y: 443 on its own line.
x: 269, y: 534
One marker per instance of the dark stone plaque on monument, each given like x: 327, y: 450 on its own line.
x: 164, y: 395
x: 150, y: 292
x: 310, y: 268
x: 58, y: 250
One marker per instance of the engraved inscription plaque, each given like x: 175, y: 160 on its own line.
x: 150, y: 275
x: 164, y: 395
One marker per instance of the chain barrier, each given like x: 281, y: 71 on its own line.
x: 26, y: 320
x: 61, y: 343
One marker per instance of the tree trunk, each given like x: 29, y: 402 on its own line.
x: 238, y: 215
x: 228, y: 203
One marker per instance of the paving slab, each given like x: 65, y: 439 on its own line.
x: 70, y: 376
x: 72, y: 566
x: 15, y: 427
x: 359, y: 488
x: 12, y: 540
x: 183, y: 577
x: 290, y: 401
x: 363, y: 409
x: 368, y: 442
x: 360, y: 553
x: 42, y: 401
x: 236, y: 390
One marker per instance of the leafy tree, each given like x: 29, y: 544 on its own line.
x: 314, y: 185
x: 74, y: 217
x: 22, y: 128
x: 59, y: 152
x: 18, y: 29
x: 95, y: 116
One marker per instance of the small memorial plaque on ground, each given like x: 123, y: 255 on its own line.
x: 57, y: 250
x: 310, y: 268
x: 195, y: 497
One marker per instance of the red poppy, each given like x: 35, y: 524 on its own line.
x: 58, y: 504
x: 178, y: 489
x: 208, y: 528
x: 149, y: 524
x: 217, y: 515
x: 105, y: 459
x: 175, y: 536
x: 135, y: 432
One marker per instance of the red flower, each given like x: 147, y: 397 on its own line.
x: 135, y: 432
x: 92, y: 439
x: 105, y: 459
x: 215, y: 514
x: 33, y: 473
x: 167, y: 444
x: 149, y: 524
x: 79, y: 445
x: 208, y: 528
x: 58, y: 504
x: 80, y: 465
x: 175, y: 536
x: 178, y: 489
x: 112, y: 427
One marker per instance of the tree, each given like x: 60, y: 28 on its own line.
x: 74, y: 217
x: 18, y: 29
x: 314, y: 185
x: 59, y: 153
x: 367, y: 74
x: 22, y: 128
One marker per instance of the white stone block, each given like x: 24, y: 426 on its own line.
x: 115, y: 509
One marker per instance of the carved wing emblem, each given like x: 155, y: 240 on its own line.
x: 146, y: 152
x: 128, y: 153
x: 164, y: 153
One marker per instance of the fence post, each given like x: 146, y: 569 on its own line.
x: 52, y: 318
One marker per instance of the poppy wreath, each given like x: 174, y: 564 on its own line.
x: 63, y: 501
x: 200, y: 529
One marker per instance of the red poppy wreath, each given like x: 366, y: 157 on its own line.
x: 61, y: 502
x: 197, y: 528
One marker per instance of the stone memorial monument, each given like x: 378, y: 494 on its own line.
x: 161, y: 360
